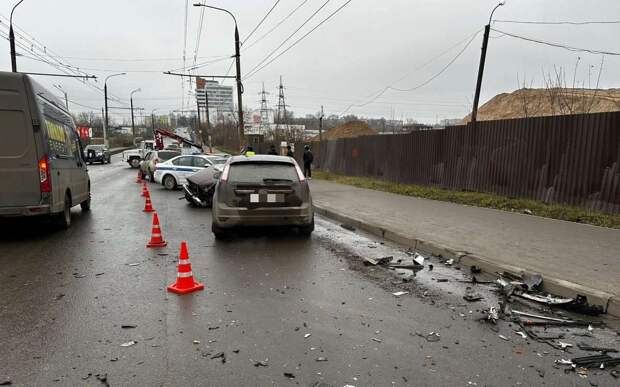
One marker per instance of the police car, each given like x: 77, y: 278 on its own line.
x: 172, y: 173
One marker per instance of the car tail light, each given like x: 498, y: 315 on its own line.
x: 225, y: 172
x: 300, y: 173
x: 44, y: 175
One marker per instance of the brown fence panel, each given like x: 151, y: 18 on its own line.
x: 572, y: 159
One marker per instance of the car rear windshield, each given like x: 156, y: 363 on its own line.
x: 259, y: 173
x: 167, y: 155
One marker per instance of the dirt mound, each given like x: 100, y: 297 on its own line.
x: 348, y: 130
x: 548, y: 102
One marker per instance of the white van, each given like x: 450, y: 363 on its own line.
x: 42, y: 171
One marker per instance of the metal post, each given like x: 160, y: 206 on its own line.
x: 12, y: 40
x: 105, y: 120
x: 239, y: 85
x: 321, y: 126
x: 483, y: 54
x: 133, y: 125
x: 202, y: 137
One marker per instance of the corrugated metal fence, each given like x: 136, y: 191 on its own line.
x: 573, y: 159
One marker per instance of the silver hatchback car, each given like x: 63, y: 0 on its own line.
x: 262, y: 190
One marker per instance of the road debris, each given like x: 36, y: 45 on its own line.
x: 401, y: 293
x: 129, y: 343
x: 546, y: 299
x: 260, y: 363
x: 471, y: 296
x: 6, y: 382
x: 492, y: 315
x: 319, y: 359
x: 307, y: 335
x: 449, y: 262
x: 289, y: 375
x: 432, y: 337
x: 595, y: 361
x: 347, y: 227
x: 522, y: 334
x: 475, y: 269
x: 128, y: 326
x: 532, y: 281
x: 564, y: 345
x: 103, y: 378
x: 196, y: 342
x: 376, y: 340
x: 586, y: 347
x: 503, y: 337
x: 219, y: 355
x: 419, y: 259
x: 134, y: 264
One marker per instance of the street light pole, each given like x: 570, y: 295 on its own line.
x: 12, y: 39
x: 133, y: 125
x: 483, y: 55
x: 238, y: 66
x: 65, y: 93
x: 105, y: 96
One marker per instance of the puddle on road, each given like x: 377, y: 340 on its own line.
x: 445, y: 287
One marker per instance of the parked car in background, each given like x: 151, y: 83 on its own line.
x: 134, y: 156
x: 260, y: 191
x: 147, y: 166
x: 42, y: 168
x: 97, y: 154
x: 173, y: 173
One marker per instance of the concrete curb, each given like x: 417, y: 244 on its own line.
x: 560, y: 287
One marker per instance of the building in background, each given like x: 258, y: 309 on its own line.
x: 221, y: 103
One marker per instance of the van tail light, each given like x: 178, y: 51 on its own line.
x: 44, y: 175
x: 225, y: 172
x: 300, y: 174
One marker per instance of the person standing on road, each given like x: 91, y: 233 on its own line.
x: 249, y: 151
x: 308, y: 158
x: 289, y: 151
x: 272, y: 150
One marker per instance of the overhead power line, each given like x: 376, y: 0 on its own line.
x: 276, y: 26
x: 290, y: 36
x: 378, y: 94
x: 261, y: 21
x: 255, y: 70
x: 573, y: 23
x: 558, y: 45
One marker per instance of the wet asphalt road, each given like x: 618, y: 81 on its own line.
x: 66, y: 294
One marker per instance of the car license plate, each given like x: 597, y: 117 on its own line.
x: 266, y: 198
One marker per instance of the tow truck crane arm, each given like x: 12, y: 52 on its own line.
x: 167, y: 133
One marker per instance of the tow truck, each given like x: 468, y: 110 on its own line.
x: 134, y: 156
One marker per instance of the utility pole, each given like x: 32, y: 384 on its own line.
x: 133, y: 125
x: 321, y: 126
x: 12, y: 40
x: 483, y: 55
x: 281, y: 109
x: 264, y: 112
x: 105, y: 96
x: 208, y: 119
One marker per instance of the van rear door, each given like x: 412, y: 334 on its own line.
x: 19, y: 168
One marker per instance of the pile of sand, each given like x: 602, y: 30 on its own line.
x: 348, y: 130
x: 548, y: 102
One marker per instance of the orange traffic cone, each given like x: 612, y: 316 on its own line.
x: 156, y: 238
x: 148, y: 207
x: 145, y: 190
x: 185, y: 279
x: 139, y: 178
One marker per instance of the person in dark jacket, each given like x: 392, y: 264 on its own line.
x: 272, y: 150
x: 308, y: 158
x: 289, y: 151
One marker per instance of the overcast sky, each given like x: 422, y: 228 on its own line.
x: 366, y: 46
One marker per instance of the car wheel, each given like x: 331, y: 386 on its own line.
x: 170, y: 182
x: 85, y: 205
x: 219, y: 232
x: 135, y: 162
x: 63, y: 219
x: 307, y: 229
